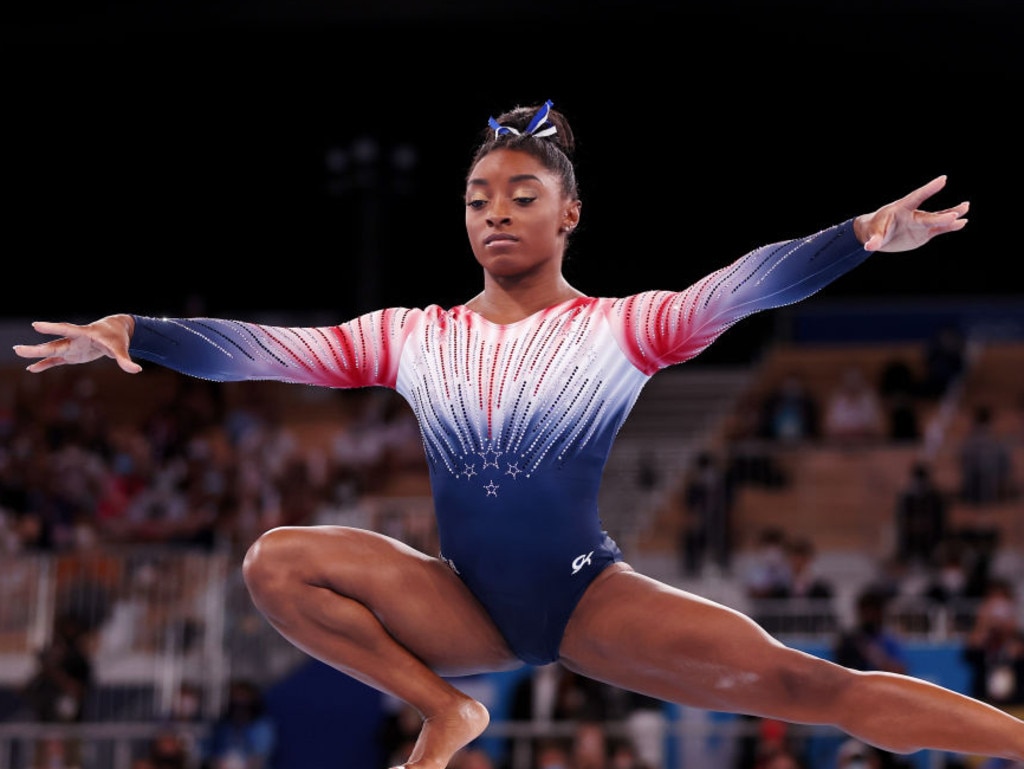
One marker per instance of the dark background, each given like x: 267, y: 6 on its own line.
x: 171, y: 157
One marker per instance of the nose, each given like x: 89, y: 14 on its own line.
x: 498, y: 214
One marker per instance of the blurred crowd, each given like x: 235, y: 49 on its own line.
x: 204, y: 466
x: 898, y: 405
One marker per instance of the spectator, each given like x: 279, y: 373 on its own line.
x: 869, y: 645
x: 553, y: 693
x: 624, y: 755
x: 767, y: 578
x: 168, y: 750
x: 187, y: 705
x: 958, y: 580
x: 897, y: 378
x: 57, y: 753
x: 707, y: 506
x: 644, y: 724
x: 58, y: 689
x: 791, y: 414
x: 994, y: 649
x: 773, y: 746
x: 590, y: 745
x: 898, y: 390
x: 895, y: 580
x: 985, y: 462
x: 749, y: 455
x: 807, y: 592
x: 944, y: 362
x: 245, y: 735
x: 648, y: 475
x: 805, y: 581
x: 853, y: 411
x: 646, y: 727
x: 902, y: 422
x: 767, y: 574
x: 922, y: 513
x: 552, y: 754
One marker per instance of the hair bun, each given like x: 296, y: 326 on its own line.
x: 520, y: 118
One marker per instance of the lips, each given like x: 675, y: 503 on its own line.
x: 499, y: 237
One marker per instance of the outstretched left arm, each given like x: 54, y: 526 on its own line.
x: 903, y: 226
x: 666, y: 327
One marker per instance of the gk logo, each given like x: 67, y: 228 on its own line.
x: 580, y: 561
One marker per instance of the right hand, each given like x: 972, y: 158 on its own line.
x: 107, y: 337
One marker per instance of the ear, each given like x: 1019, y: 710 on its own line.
x: 571, y: 216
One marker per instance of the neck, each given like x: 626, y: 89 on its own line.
x: 505, y: 301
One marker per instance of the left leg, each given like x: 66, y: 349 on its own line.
x: 636, y: 633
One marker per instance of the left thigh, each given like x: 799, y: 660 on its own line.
x: 639, y: 634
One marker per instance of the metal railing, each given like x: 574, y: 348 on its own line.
x: 160, y: 619
x: 116, y: 745
x: 152, y: 620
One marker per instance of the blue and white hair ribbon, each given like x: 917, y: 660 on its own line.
x: 539, y: 125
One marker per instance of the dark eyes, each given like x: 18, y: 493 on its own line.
x: 523, y: 200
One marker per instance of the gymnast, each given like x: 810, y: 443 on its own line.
x: 519, y: 393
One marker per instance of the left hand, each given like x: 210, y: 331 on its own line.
x: 902, y: 226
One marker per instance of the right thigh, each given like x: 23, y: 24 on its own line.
x: 417, y: 598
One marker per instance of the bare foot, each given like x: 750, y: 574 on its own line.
x: 445, y: 732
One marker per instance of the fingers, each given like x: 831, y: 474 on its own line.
x: 127, y: 364
x: 881, y: 224
x: 43, y: 365
x: 78, y: 344
x: 914, y: 199
x: 917, y: 197
x: 903, y: 225
x: 49, y: 352
x: 56, y: 329
x: 33, y: 350
x: 950, y: 220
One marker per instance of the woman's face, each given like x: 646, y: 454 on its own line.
x: 516, y: 214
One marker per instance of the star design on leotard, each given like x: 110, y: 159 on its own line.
x: 492, y: 489
x: 469, y: 471
x: 490, y: 462
x: 513, y: 470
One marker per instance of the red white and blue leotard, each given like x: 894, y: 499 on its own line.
x: 517, y: 420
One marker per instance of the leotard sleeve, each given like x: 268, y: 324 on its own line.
x: 661, y: 328
x: 360, y: 353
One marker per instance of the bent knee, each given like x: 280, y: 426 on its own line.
x: 324, y: 556
x: 276, y: 558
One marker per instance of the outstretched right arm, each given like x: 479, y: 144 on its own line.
x: 362, y: 352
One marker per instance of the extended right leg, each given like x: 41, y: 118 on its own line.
x: 385, y: 614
